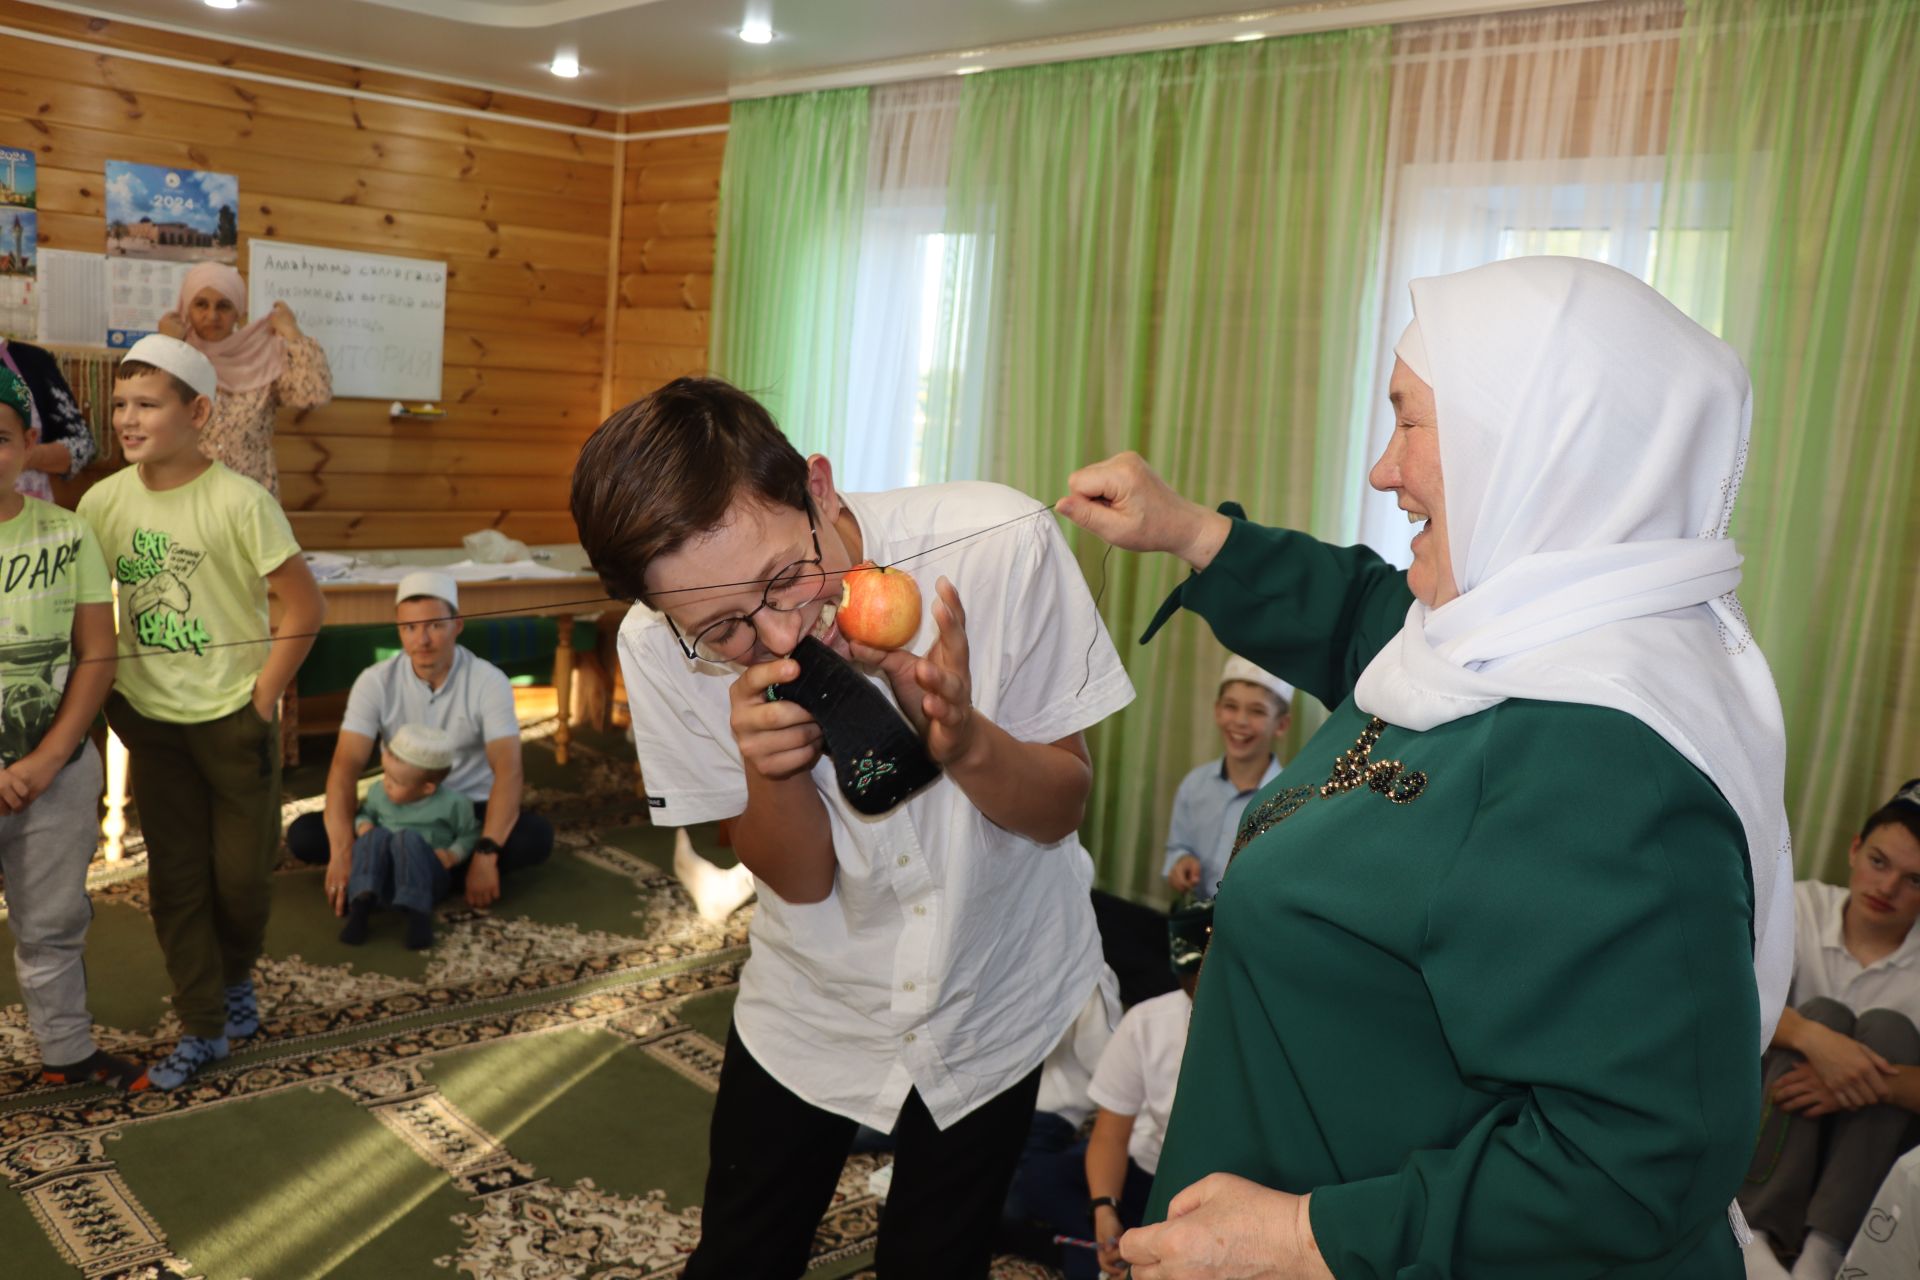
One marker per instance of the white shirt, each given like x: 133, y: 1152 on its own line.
x: 1140, y: 1070
x: 1068, y: 1070
x: 951, y: 954
x: 1822, y: 965
x: 474, y: 704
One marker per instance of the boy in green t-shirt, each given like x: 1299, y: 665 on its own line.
x: 56, y: 665
x: 194, y: 548
x: 409, y: 835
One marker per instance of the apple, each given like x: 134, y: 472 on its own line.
x: 879, y: 607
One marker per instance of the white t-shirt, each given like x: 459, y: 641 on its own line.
x: 1140, y: 1070
x: 1822, y: 965
x: 474, y: 704
x: 951, y: 955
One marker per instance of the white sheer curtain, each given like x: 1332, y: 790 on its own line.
x: 1512, y: 134
x: 896, y: 294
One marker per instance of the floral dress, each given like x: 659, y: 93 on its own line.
x: 241, y: 431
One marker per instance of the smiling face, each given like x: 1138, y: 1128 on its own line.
x: 1410, y: 470
x: 154, y: 424
x: 212, y: 315
x: 754, y: 542
x: 1249, y: 718
x: 1884, y: 885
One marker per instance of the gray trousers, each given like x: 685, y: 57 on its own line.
x: 44, y: 853
x: 1821, y: 1174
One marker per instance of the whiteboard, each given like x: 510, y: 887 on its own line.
x: 381, y: 320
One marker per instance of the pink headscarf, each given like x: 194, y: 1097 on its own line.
x: 253, y: 355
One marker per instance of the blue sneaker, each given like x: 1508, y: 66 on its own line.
x: 184, y: 1063
x: 243, y: 1011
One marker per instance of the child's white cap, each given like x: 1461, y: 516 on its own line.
x: 1240, y: 669
x: 427, y: 582
x: 422, y: 746
x: 184, y: 362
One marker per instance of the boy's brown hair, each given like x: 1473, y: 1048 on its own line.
x: 666, y: 468
x: 134, y: 368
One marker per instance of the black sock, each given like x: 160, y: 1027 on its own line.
x: 419, y: 930
x: 354, y: 932
x: 877, y: 757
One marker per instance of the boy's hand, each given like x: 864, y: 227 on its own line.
x: 448, y: 858
x: 1855, y: 1074
x: 777, y: 740
x: 1803, y: 1093
x: 361, y: 828
x: 936, y: 691
x: 1185, y: 876
x: 272, y: 701
x: 339, y: 868
x: 26, y: 780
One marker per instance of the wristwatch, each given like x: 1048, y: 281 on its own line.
x: 486, y: 844
x: 1095, y: 1203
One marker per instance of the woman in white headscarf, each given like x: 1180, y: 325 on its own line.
x: 1495, y: 959
x: 263, y: 367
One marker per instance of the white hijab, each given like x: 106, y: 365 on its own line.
x: 1592, y: 440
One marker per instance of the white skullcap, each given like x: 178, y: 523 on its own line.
x: 184, y: 362
x: 427, y: 582
x: 1239, y: 669
x: 1412, y: 348
x: 422, y: 746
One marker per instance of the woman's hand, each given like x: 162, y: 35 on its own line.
x: 777, y: 740
x: 1855, y: 1074
x: 1224, y: 1227
x: 173, y: 325
x: 1124, y: 501
x: 936, y: 691
x: 282, y: 322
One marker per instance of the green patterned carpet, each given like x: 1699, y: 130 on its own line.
x: 526, y: 1101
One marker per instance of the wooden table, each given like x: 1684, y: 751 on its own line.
x: 368, y: 603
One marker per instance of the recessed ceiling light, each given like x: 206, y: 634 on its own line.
x: 1251, y: 35
x: 969, y: 71
x: 756, y: 31
x: 223, y: 4
x: 565, y: 65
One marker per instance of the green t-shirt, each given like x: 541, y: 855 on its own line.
x: 444, y: 819
x: 192, y: 565
x: 49, y: 564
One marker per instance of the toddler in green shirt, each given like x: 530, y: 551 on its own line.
x: 408, y: 835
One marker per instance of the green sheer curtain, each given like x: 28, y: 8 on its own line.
x: 1173, y: 253
x: 792, y: 200
x: 1804, y: 117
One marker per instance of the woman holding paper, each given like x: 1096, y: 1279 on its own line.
x: 263, y: 366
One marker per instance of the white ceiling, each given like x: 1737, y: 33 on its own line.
x: 650, y: 52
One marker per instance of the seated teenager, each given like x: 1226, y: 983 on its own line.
x: 1843, y: 1075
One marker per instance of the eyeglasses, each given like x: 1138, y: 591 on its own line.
x: 730, y: 639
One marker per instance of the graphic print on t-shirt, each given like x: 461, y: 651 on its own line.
x: 158, y: 601
x: 37, y: 592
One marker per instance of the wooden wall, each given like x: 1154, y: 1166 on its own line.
x: 670, y: 201
x: 540, y: 250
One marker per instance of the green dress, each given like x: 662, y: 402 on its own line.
x: 1485, y: 991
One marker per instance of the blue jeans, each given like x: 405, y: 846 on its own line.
x: 399, y: 868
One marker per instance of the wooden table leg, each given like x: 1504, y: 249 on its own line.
x: 563, y: 689
x: 114, y: 826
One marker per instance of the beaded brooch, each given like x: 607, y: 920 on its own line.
x: 1355, y: 768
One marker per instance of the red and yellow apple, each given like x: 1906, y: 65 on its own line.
x: 879, y: 607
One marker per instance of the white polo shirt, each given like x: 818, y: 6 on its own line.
x: 1140, y: 1070
x: 1822, y: 965
x: 474, y: 704
x: 951, y: 955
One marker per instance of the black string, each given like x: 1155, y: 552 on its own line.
x: 1094, y: 639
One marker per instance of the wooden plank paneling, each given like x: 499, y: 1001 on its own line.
x: 523, y: 216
